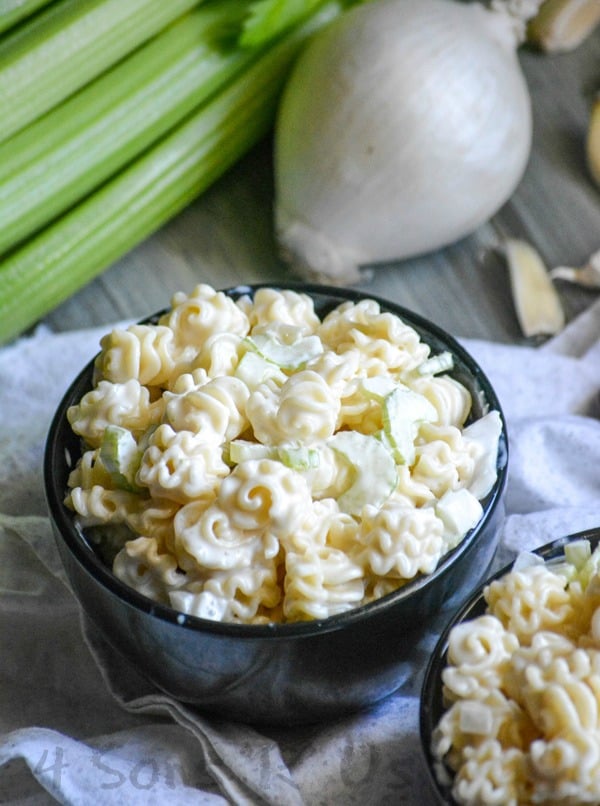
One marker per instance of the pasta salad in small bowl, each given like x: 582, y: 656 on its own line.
x: 259, y: 494
x: 510, y: 706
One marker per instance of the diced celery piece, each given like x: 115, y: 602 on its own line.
x: 121, y: 456
x: 374, y: 470
x: 287, y: 356
x: 241, y: 450
x: 403, y: 411
x: 253, y: 370
x: 298, y: 457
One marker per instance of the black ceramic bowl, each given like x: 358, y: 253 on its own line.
x: 279, y: 673
x: 432, y: 705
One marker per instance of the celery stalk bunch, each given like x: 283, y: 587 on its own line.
x: 115, y: 114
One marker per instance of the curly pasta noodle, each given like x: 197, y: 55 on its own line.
x: 400, y: 542
x: 320, y: 583
x: 336, y: 370
x: 141, y: 565
x: 154, y: 517
x: 219, y: 355
x: 216, y: 410
x: 492, y: 774
x: 286, y: 308
x: 125, y: 404
x: 194, y: 317
x: 258, y: 463
x: 97, y: 505
x: 206, y: 538
x: 242, y: 595
x: 181, y: 465
x: 530, y: 601
x: 148, y: 353
x: 450, y: 399
x: 478, y: 655
x: 442, y: 460
x: 382, y: 339
x: 261, y: 493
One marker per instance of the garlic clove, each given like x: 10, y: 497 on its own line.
x: 593, y: 141
x: 562, y: 25
x: 588, y: 275
x: 536, y: 301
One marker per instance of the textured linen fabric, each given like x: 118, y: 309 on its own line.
x: 79, y: 726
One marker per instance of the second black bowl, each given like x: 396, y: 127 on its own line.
x: 432, y: 700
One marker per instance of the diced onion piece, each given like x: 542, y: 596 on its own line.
x: 475, y: 717
x: 485, y: 431
x: 459, y: 511
x: 578, y: 553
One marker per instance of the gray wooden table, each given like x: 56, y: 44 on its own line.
x: 226, y: 236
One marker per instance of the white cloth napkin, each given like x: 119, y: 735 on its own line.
x: 79, y: 727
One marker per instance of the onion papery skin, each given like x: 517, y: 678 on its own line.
x: 405, y: 125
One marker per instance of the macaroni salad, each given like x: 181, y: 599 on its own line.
x: 257, y: 464
x: 522, y: 686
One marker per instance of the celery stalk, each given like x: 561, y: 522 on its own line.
x: 113, y: 219
x: 66, y: 45
x: 13, y: 11
x: 89, y: 137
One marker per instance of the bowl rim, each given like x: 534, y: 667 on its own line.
x: 471, y: 608
x: 78, y: 545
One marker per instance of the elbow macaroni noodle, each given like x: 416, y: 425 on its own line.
x: 522, y: 691
x: 237, y: 503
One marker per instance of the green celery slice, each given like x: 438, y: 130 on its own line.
x: 128, y: 208
x: 121, y: 456
x: 97, y: 131
x: 286, y: 356
x: 374, y: 470
x: 403, y: 410
x: 66, y: 45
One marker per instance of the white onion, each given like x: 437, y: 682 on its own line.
x: 405, y: 125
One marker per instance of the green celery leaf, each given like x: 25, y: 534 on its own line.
x: 268, y: 19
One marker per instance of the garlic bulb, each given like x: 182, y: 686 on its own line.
x: 404, y: 126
